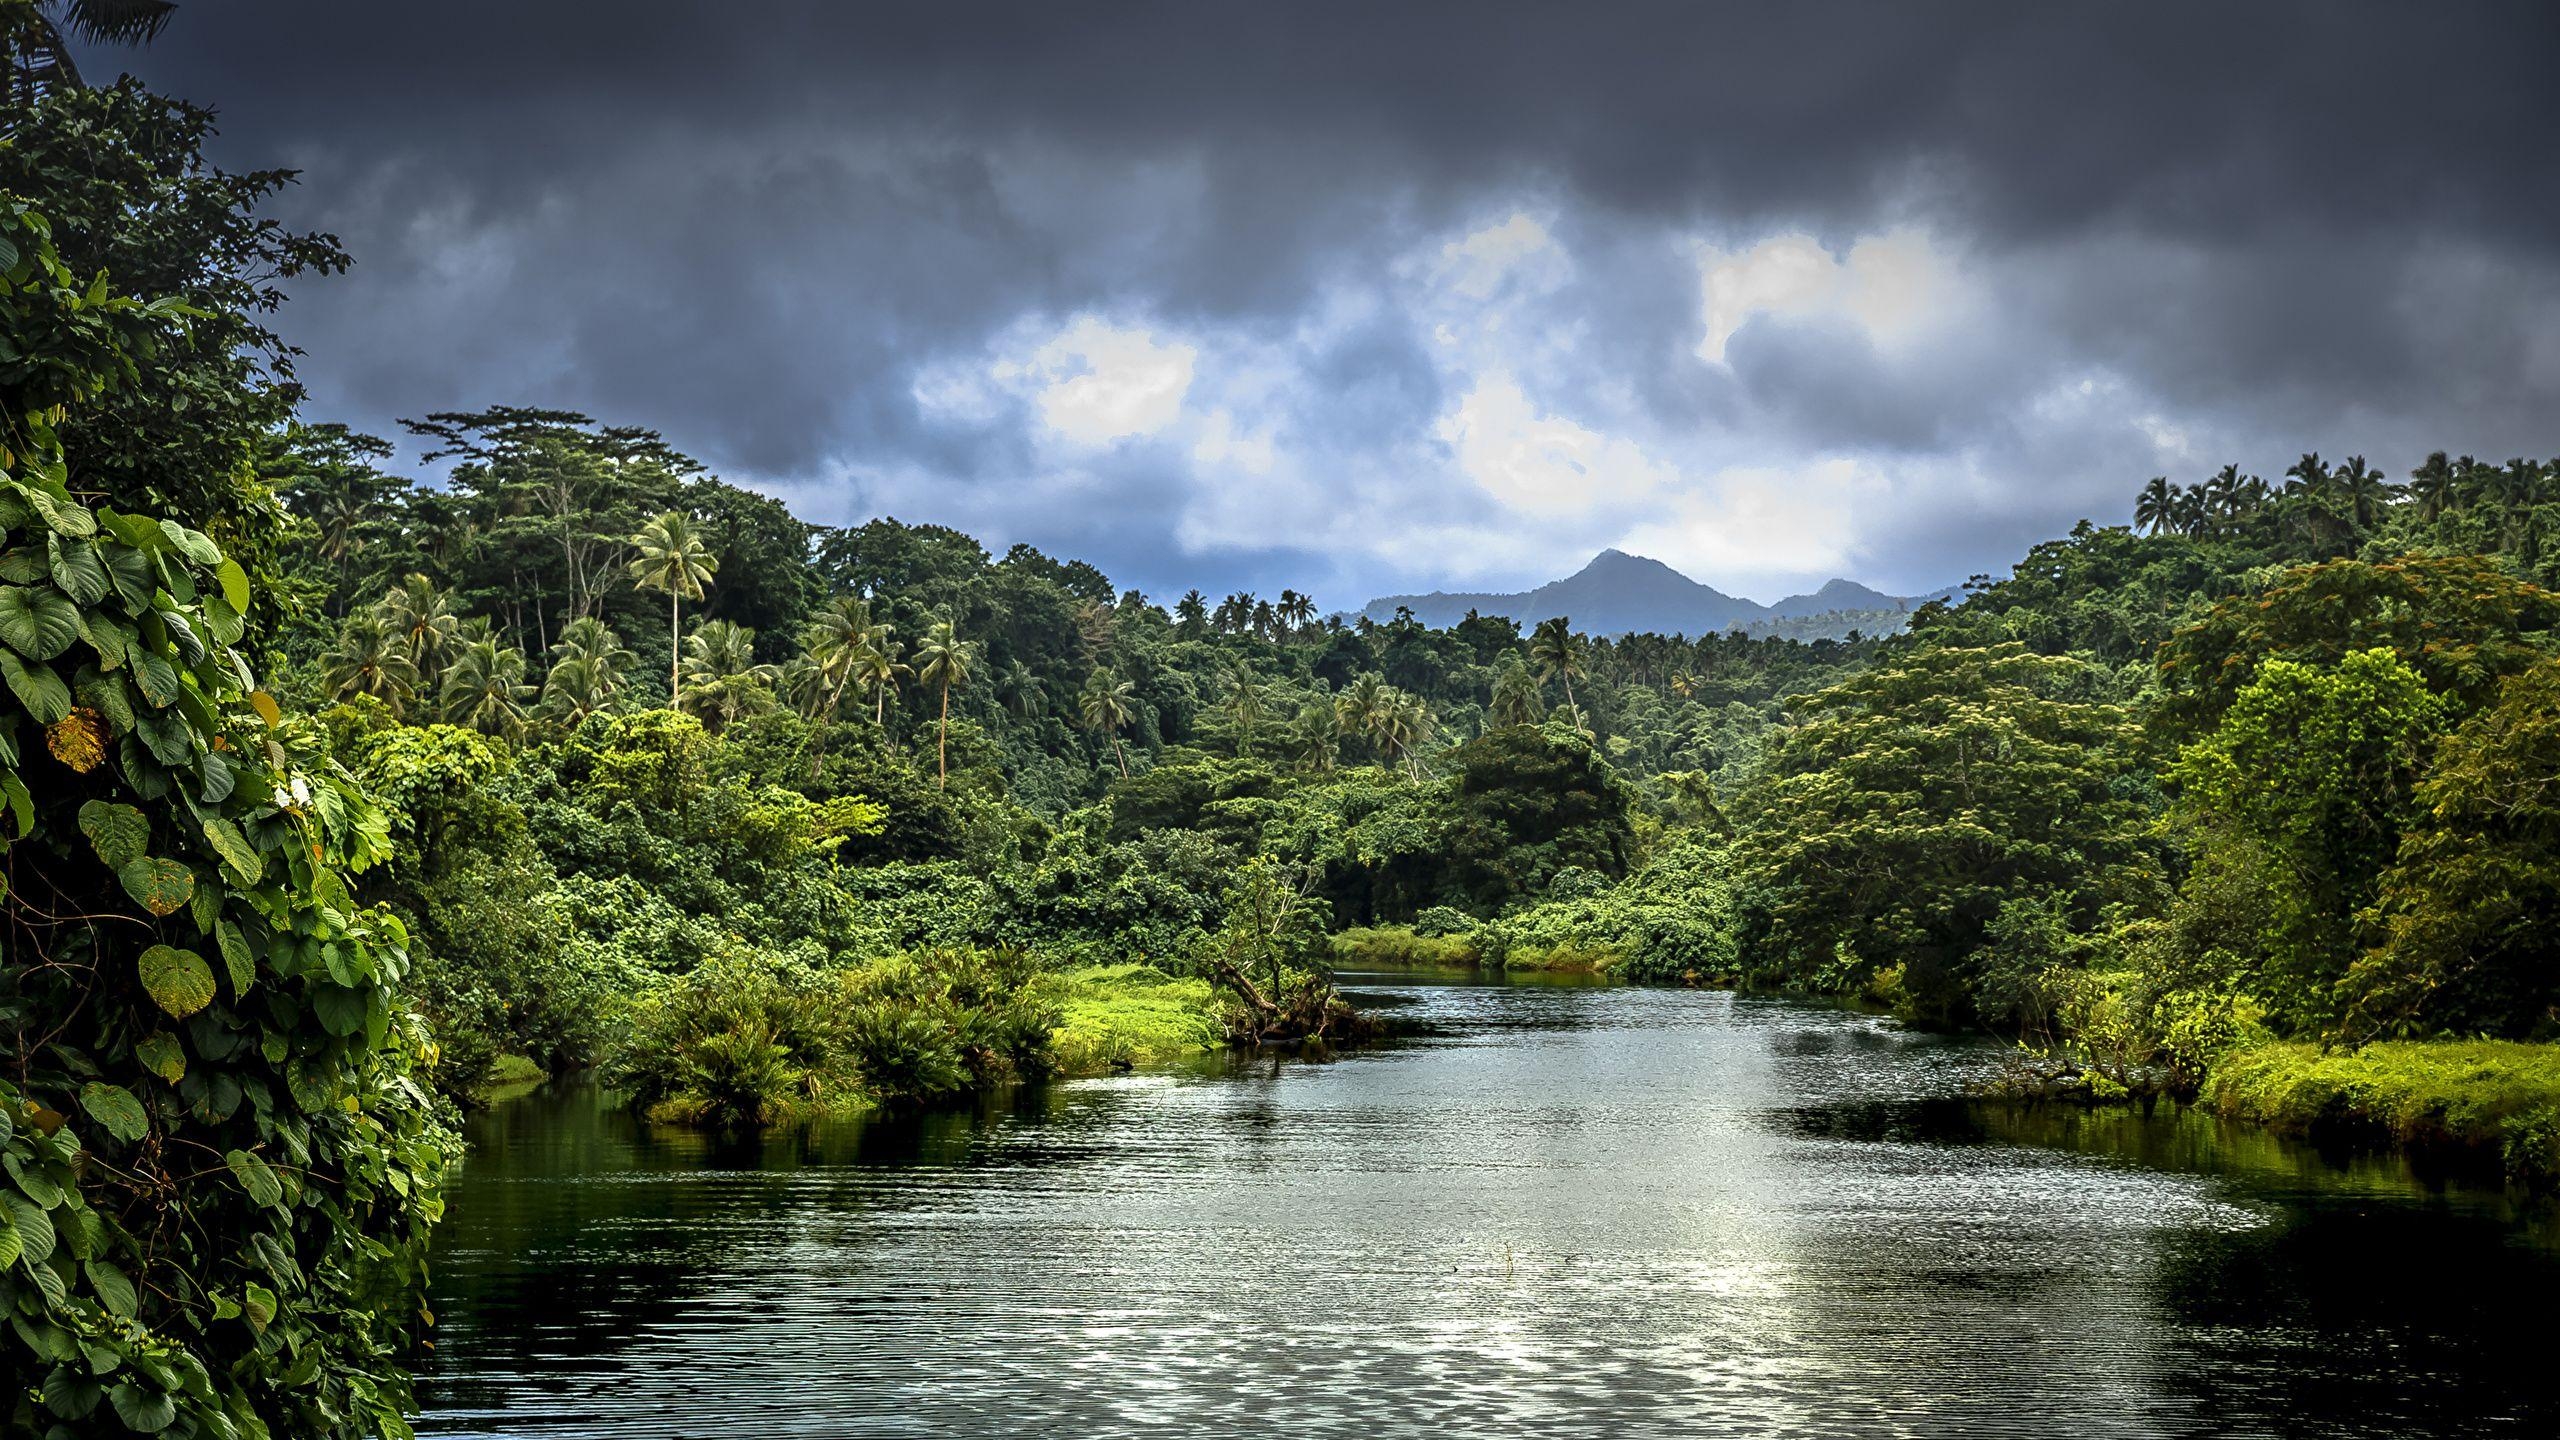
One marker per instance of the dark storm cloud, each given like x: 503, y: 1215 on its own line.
x: 2252, y: 230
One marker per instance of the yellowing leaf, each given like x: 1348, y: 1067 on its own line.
x: 178, y: 981
x: 161, y: 886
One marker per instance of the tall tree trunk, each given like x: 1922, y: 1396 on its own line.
x: 942, y: 743
x: 675, y: 643
x: 1122, y: 755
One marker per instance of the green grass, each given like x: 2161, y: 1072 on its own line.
x: 1134, y: 1015
x: 2498, y: 1097
x: 1396, y: 947
x: 1565, y: 958
x: 512, y: 1074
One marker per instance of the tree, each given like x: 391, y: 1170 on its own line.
x: 722, y: 680
x: 945, y: 662
x: 2156, y: 508
x: 421, y: 615
x: 1245, y: 706
x: 40, y: 55
x: 1108, y: 705
x: 370, y: 658
x: 223, y: 1170
x: 2469, y: 912
x: 1191, y: 615
x: 1515, y: 693
x: 1558, y: 653
x: 484, y: 689
x: 2310, y: 773
x: 1907, y: 805
x: 674, y: 559
x: 877, y: 668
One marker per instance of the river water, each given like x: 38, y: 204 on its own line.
x: 1568, y: 1211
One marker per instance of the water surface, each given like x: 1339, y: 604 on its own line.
x: 1571, y: 1211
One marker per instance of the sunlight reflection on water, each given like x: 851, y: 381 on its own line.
x: 1574, y: 1211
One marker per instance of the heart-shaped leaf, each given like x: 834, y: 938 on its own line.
x: 119, y: 833
x: 115, y: 1109
x: 161, y: 1053
x: 37, y: 688
x: 158, y: 884
x: 37, y: 621
x: 255, y: 1177
x: 178, y: 981
x: 77, y: 568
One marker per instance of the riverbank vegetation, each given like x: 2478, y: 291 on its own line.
x: 326, y: 790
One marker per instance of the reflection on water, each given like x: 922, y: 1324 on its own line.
x: 1571, y: 1211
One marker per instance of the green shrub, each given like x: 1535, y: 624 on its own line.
x: 1399, y: 947
x: 2495, y: 1096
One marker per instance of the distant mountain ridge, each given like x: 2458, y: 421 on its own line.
x: 1622, y: 594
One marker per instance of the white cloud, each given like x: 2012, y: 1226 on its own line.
x: 1543, y: 464
x: 1476, y: 264
x: 1746, y: 523
x: 1894, y: 285
x: 1095, y: 383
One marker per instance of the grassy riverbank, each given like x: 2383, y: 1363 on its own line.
x: 2495, y: 1098
x: 1113, y: 1016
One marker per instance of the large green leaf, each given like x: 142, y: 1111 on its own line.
x: 157, y: 884
x: 341, y: 1010
x: 114, y: 1107
x: 37, y: 621
x: 160, y: 1052
x: 77, y: 568
x: 178, y: 981
x: 235, y: 849
x: 113, y: 1289
x: 119, y: 833
x: 235, y: 584
x: 191, y: 543
x: 142, y: 1408
x: 256, y: 1177
x: 236, y: 956
x: 37, y: 687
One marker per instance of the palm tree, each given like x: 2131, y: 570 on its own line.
x: 1515, y: 693
x: 369, y: 659
x: 43, y: 48
x: 1191, y: 615
x: 877, y: 669
x: 423, y: 618
x: 2432, y: 486
x: 1244, y: 705
x: 722, y: 680
x: 1297, y: 611
x: 944, y: 662
x: 832, y: 641
x: 1107, y: 706
x: 1684, y: 685
x: 2364, y: 492
x: 1020, y: 691
x: 578, y: 687
x: 673, y: 558
x: 1318, y: 737
x: 2156, y: 508
x: 1400, y: 726
x: 484, y: 688
x: 1358, y: 706
x: 1557, y: 652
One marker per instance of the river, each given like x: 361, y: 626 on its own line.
x: 1567, y: 1211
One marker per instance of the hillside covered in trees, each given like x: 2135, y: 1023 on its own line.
x: 331, y: 796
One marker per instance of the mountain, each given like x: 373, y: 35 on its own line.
x: 1619, y: 594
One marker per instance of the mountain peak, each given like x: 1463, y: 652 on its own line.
x: 1616, y: 593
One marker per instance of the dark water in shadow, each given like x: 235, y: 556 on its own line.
x: 1573, y: 1211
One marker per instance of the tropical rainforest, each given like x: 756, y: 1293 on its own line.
x: 332, y: 797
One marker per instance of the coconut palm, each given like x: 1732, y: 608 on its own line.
x: 1191, y: 615
x: 722, y: 680
x: 1515, y: 693
x: 1244, y: 705
x: 2365, y: 494
x: 43, y: 48
x: 1316, y: 739
x: 484, y: 688
x: 2433, y: 488
x: 1558, y: 654
x: 1108, y: 704
x: 423, y: 617
x: 944, y: 662
x: 1297, y: 611
x: 1357, y: 707
x: 369, y: 659
x: 673, y: 558
x: 578, y: 687
x: 877, y: 669
x: 832, y: 643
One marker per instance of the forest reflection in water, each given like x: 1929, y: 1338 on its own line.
x: 1568, y: 1210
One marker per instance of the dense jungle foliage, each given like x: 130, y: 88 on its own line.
x: 331, y: 797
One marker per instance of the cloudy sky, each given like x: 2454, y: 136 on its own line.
x: 1368, y: 298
